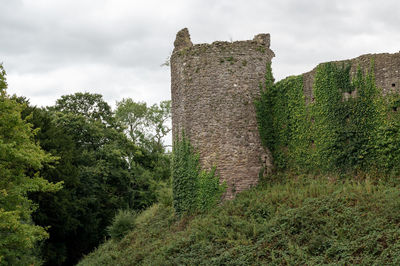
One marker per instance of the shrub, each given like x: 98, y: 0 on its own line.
x: 122, y: 223
x: 164, y: 195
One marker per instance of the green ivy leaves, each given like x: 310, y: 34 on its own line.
x: 194, y: 189
x: 347, y: 126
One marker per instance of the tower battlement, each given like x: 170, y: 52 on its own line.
x: 213, y: 88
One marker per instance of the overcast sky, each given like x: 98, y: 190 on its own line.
x: 51, y: 48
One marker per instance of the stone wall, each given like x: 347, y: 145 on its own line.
x: 387, y: 72
x: 213, y: 89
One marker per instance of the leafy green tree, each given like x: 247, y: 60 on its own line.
x: 158, y: 116
x: 98, y: 179
x: 90, y: 105
x: 133, y: 115
x: 20, y: 160
x: 146, y: 126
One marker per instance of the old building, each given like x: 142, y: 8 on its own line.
x: 213, y: 89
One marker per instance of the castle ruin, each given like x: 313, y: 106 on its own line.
x: 213, y: 88
x: 386, y: 71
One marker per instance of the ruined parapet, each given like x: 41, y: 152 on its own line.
x: 213, y: 89
x: 182, y: 40
x: 386, y: 70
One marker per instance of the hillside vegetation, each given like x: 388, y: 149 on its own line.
x: 78, y: 174
x: 66, y: 170
x: 332, y: 198
x: 304, y: 220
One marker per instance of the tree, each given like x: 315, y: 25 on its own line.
x: 20, y: 160
x: 133, y: 115
x: 90, y: 105
x: 146, y: 126
x: 159, y: 116
x: 98, y: 179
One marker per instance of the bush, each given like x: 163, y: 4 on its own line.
x: 122, y: 223
x: 164, y: 195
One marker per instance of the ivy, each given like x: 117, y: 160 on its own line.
x: 194, y: 190
x: 283, y: 120
x: 347, y: 126
x: 264, y: 107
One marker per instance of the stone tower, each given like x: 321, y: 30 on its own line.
x: 213, y: 89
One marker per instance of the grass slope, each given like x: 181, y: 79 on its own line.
x: 286, y: 223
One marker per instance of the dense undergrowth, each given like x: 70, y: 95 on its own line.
x: 304, y: 220
x: 340, y: 207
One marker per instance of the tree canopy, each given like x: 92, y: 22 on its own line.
x: 21, y: 158
x: 67, y: 170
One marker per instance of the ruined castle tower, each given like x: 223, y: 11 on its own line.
x: 213, y: 89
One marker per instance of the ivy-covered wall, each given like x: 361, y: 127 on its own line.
x: 347, y: 125
x: 194, y: 190
x: 335, y: 118
x: 213, y: 87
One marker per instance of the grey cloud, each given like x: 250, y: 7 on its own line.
x: 116, y: 47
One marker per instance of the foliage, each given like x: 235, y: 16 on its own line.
x: 151, y: 226
x: 133, y: 116
x: 209, y: 190
x: 165, y: 195
x: 122, y: 223
x: 146, y: 126
x: 159, y: 116
x: 90, y: 105
x: 293, y: 222
x: 20, y: 160
x: 334, y: 131
x: 185, y: 171
x: 193, y: 189
x: 264, y: 107
x: 387, y: 145
x: 92, y: 151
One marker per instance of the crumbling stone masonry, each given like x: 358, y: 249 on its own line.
x: 213, y: 89
x: 386, y: 70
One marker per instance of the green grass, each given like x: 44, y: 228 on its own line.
x: 303, y: 221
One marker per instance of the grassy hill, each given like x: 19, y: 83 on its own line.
x: 304, y: 220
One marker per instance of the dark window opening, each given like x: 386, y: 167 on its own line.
x: 393, y: 84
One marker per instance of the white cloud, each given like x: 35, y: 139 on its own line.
x: 56, y: 47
